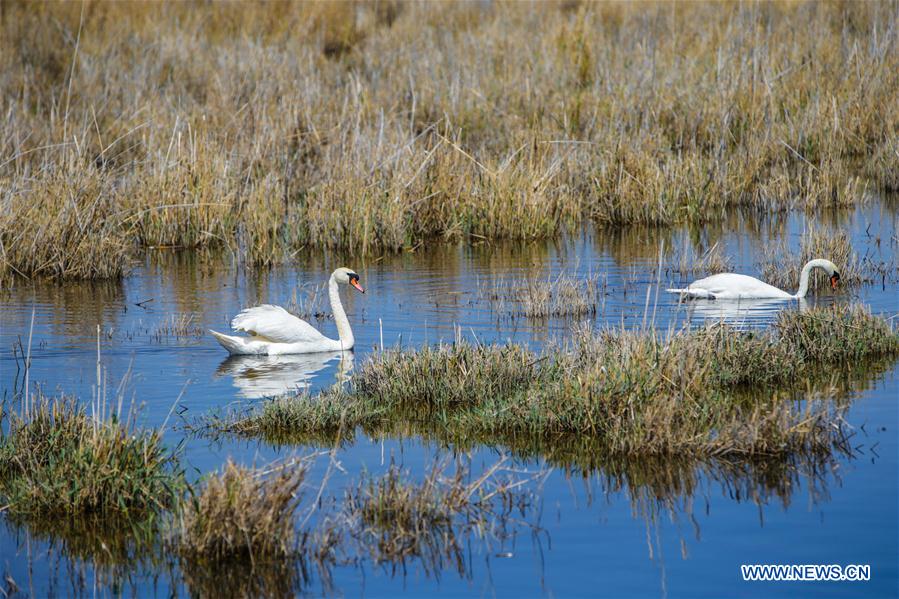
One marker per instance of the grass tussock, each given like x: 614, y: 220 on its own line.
x: 271, y: 128
x: 180, y: 326
x: 712, y: 391
x: 56, y: 460
x: 241, y: 514
x: 782, y: 267
x: 398, y: 518
x: 242, y: 526
x: 536, y: 297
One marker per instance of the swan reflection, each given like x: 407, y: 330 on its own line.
x: 267, y: 376
x: 740, y: 313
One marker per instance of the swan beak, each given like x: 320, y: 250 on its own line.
x: 834, y: 280
x: 355, y: 283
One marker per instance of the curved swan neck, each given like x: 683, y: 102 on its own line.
x: 806, y: 272
x: 344, y: 332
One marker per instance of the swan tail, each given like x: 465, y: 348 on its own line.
x: 236, y: 346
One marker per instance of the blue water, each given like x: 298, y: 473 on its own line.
x: 587, y: 533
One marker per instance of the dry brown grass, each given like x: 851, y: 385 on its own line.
x: 241, y: 514
x: 180, y: 326
x: 711, y: 261
x: 397, y: 518
x: 782, y: 267
x: 544, y: 297
x: 366, y: 127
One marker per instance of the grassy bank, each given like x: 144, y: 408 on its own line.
x: 368, y: 127
x: 714, y: 391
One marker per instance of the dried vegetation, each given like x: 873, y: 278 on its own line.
x: 367, y: 127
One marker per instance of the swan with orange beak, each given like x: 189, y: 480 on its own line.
x: 272, y: 330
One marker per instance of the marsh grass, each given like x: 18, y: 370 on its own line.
x: 536, y: 297
x: 275, y: 128
x: 397, y: 518
x: 711, y: 261
x: 782, y: 267
x: 180, y: 326
x: 242, y: 525
x: 57, y: 461
x: 241, y: 514
x: 310, y: 301
x: 713, y: 391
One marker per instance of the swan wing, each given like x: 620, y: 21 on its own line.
x: 274, y: 323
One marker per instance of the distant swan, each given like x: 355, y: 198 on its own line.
x: 733, y: 286
x: 274, y: 331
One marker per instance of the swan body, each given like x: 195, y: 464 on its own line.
x: 734, y: 286
x: 273, y: 331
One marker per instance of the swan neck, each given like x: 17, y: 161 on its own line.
x: 803, y: 280
x: 344, y: 332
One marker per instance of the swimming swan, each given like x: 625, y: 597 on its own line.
x: 733, y: 286
x: 274, y: 331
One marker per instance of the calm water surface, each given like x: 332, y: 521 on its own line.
x: 621, y: 529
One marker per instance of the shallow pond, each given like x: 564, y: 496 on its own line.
x: 662, y: 528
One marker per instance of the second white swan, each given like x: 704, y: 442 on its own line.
x: 734, y: 286
x: 274, y: 331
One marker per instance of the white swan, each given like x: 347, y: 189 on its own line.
x: 733, y: 286
x: 274, y: 331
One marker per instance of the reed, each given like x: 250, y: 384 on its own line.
x: 273, y: 128
x: 310, y: 301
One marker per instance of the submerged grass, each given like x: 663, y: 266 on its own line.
x: 398, y: 518
x: 713, y: 391
x: 180, y: 326
x: 273, y: 128
x: 114, y: 497
x: 536, y: 297
x: 56, y: 460
x: 245, y: 521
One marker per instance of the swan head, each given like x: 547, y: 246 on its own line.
x: 347, y: 276
x: 834, y: 280
x: 830, y: 268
